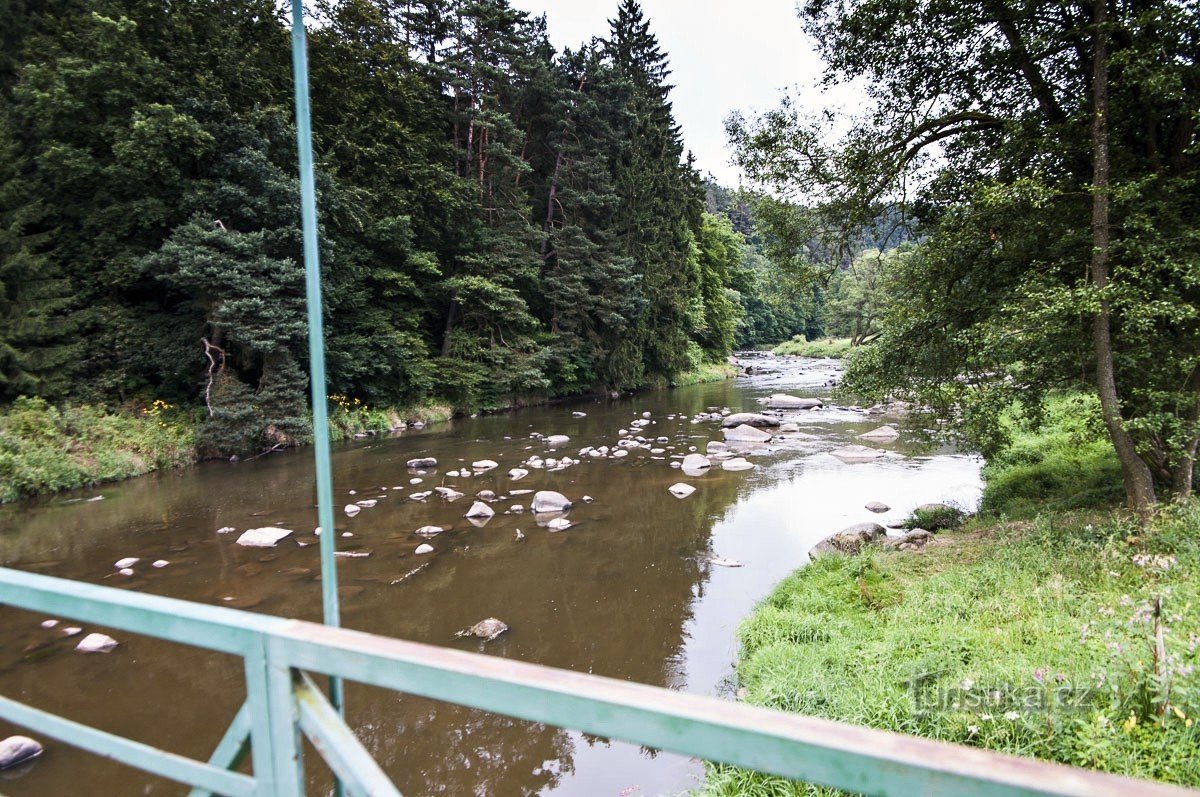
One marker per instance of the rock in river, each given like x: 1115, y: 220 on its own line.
x: 746, y: 434
x: 517, y: 473
x: 557, y: 440
x: 128, y: 561
x: 487, y: 630
x: 782, y: 401
x: 16, y: 750
x: 423, y: 462
x: 485, y: 464
x: 850, y: 540
x: 96, y: 643
x: 423, y: 549
x: 559, y: 524
x: 694, y: 464
x: 883, y: 434
x: 852, y: 454
x: 876, y: 506
x: 479, y: 510
x: 429, y: 531
x: 750, y: 419
x: 549, y: 501
x: 681, y: 490
x: 265, y: 537
x: 737, y: 463
x: 352, y: 509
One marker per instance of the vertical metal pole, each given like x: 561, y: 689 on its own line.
x: 316, y: 334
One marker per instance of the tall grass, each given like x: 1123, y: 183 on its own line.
x: 1062, y: 460
x: 1032, y: 638
x: 44, y: 448
x: 827, y: 347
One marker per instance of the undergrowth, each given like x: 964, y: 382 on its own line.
x: 827, y: 347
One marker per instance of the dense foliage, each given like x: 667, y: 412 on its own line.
x: 1047, y: 155
x: 498, y: 219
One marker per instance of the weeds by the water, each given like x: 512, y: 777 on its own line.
x: 1062, y: 460
x: 826, y: 347
x: 44, y: 448
x: 1036, y: 639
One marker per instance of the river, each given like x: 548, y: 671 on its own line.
x: 630, y: 591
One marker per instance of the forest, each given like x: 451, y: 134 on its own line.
x: 500, y: 222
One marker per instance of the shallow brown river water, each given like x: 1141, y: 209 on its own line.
x: 628, y: 592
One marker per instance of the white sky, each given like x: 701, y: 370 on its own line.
x: 724, y: 55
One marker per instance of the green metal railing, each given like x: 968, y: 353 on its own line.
x: 282, y: 703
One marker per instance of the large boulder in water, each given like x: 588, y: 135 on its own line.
x: 422, y: 462
x: 849, y: 541
x: 695, y: 464
x: 746, y: 434
x: 750, y: 419
x: 549, y: 501
x: 782, y: 401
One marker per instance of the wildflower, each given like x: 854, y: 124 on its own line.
x: 985, y: 717
x: 1012, y: 716
x: 1178, y: 713
x: 967, y: 683
x: 973, y: 730
x: 1130, y: 723
x: 1039, y: 674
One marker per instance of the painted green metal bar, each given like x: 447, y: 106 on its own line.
x: 802, y: 748
x: 196, y: 624
x: 358, y: 772
x: 232, y: 749
x: 316, y: 332
x: 126, y: 751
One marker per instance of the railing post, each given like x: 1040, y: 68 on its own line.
x: 274, y: 724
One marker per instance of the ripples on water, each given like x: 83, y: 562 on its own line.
x: 629, y: 592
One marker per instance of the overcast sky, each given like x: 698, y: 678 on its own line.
x: 724, y: 55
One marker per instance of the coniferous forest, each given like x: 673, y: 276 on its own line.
x: 499, y: 220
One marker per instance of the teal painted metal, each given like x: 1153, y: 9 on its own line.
x: 129, y: 752
x: 232, y: 748
x: 338, y: 745
x: 316, y: 332
x: 276, y: 650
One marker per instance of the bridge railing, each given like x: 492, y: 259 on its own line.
x: 283, y: 704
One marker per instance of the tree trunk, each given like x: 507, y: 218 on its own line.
x: 449, y: 325
x: 1139, y: 484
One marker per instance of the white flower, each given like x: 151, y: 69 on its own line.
x: 1012, y: 716
x: 967, y: 683
x: 973, y: 729
x: 985, y: 717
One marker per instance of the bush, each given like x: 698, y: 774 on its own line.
x: 1062, y: 460
x: 44, y: 449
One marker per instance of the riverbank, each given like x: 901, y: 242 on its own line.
x: 46, y: 449
x: 822, y: 347
x: 1035, y: 638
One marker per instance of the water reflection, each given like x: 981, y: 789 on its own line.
x: 629, y: 592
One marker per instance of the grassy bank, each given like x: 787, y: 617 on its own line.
x: 46, y: 449
x: 825, y: 347
x: 709, y: 372
x: 1030, y: 637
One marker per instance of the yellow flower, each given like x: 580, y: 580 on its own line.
x: 1130, y: 723
x: 1178, y: 712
